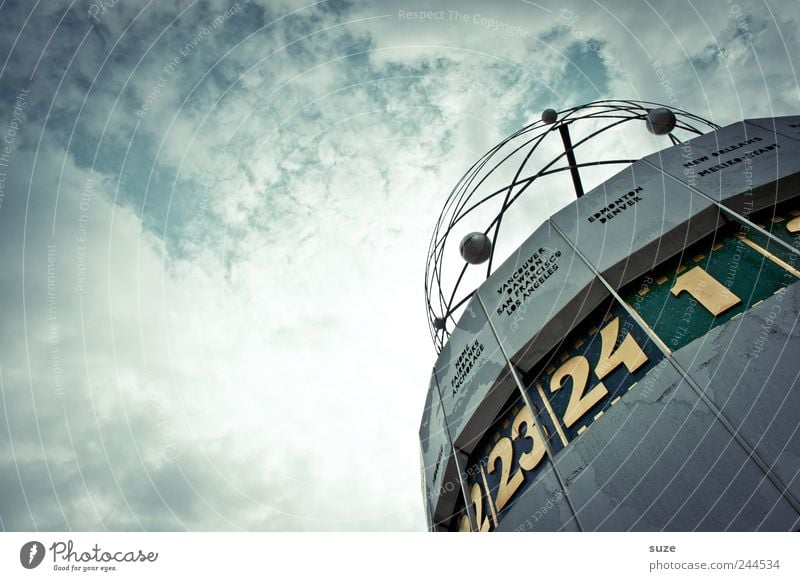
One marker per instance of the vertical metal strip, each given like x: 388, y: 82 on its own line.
x: 686, y: 377
x: 767, y: 254
x: 461, y: 473
x: 488, y: 495
x: 551, y: 413
x: 526, y: 398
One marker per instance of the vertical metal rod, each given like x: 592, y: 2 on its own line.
x: 426, y: 497
x: 488, y: 495
x: 563, y: 129
x: 526, y: 398
x: 467, y: 501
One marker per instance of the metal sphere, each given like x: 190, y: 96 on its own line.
x: 476, y: 247
x: 549, y: 116
x: 660, y: 121
x: 439, y: 323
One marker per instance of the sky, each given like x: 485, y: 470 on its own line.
x: 215, y: 216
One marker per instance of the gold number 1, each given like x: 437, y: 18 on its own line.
x: 708, y: 291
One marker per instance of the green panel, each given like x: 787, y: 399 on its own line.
x: 678, y: 320
x: 782, y: 222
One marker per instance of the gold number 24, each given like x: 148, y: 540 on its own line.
x: 628, y: 353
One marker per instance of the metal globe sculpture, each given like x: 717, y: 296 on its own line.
x: 606, y: 337
x: 476, y: 248
x: 661, y: 121
x: 523, y: 167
